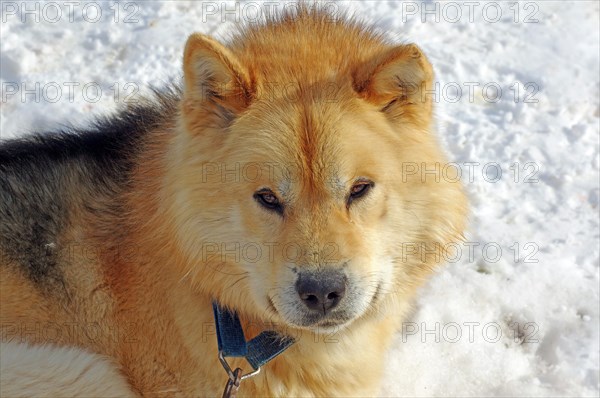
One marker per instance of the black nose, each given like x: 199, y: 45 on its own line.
x: 321, y: 291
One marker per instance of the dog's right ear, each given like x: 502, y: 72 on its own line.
x: 216, y: 84
x: 398, y: 81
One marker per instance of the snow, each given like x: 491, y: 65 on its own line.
x: 522, y: 323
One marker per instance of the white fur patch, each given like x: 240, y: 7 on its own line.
x: 49, y: 371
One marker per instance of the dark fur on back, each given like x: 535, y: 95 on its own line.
x: 45, y: 175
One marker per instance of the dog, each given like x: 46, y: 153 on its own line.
x: 286, y: 182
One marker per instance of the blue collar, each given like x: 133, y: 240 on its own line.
x: 232, y: 343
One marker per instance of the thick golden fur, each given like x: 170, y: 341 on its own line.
x: 313, y: 103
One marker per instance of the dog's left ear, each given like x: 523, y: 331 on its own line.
x: 215, y: 80
x: 397, y: 81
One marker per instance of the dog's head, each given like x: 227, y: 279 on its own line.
x: 305, y: 195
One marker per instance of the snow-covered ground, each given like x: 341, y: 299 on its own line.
x: 516, y: 313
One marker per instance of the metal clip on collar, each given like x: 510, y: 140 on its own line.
x: 235, y: 377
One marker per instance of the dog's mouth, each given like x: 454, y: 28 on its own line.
x: 331, y: 325
x: 330, y: 321
x: 321, y: 323
x: 328, y: 324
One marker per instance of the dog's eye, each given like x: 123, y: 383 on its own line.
x: 267, y: 199
x: 359, y: 189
